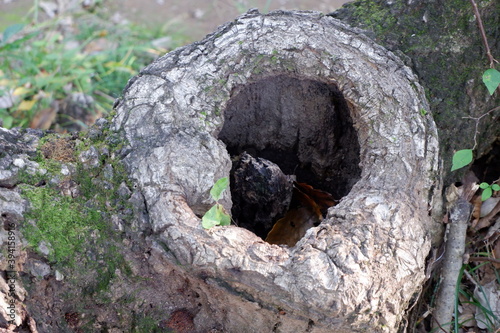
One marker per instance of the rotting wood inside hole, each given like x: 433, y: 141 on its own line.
x: 302, y: 125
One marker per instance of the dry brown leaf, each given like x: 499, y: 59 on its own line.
x: 451, y: 195
x: 323, y: 199
x: 44, y: 118
x: 488, y: 205
x: 488, y: 296
x: 466, y: 317
x: 307, y: 208
x: 487, y: 220
x: 99, y: 45
x: 476, y: 211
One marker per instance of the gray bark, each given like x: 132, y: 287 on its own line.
x: 357, y: 270
x: 453, y: 260
x: 441, y: 42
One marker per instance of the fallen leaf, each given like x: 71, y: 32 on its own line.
x: 26, y: 105
x: 488, y: 315
x: 291, y: 228
x: 308, y: 205
x: 476, y: 210
x: 20, y: 91
x: 487, y: 220
x: 467, y: 311
x: 44, y: 118
x: 488, y: 205
x: 323, y: 199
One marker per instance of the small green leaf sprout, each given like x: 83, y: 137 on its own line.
x: 461, y: 158
x: 488, y: 190
x: 217, y: 214
x: 218, y: 188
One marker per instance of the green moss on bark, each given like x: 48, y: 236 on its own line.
x: 444, y: 46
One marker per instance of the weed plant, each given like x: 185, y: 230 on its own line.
x: 43, y: 63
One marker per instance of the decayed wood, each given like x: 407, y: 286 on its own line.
x: 261, y: 192
x: 356, y: 271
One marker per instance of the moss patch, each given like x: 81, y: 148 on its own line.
x: 445, y: 47
x: 70, y: 213
x: 60, y: 221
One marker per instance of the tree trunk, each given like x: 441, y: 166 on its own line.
x: 315, y: 96
x: 302, y: 90
x: 441, y: 41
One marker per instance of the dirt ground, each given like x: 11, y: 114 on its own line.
x: 195, y: 18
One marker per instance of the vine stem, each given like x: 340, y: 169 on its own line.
x: 477, y: 119
x: 483, y: 34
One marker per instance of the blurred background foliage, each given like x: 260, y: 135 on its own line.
x: 63, y: 63
x: 66, y: 69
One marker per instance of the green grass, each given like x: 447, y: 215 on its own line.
x: 41, y: 64
x: 473, y: 292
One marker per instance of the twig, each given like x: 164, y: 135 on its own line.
x: 483, y: 34
x: 471, y: 279
x: 478, y: 259
x: 477, y: 119
x: 455, y: 248
x: 439, y: 326
x: 492, y: 230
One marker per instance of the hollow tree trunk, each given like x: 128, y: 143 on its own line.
x: 324, y: 102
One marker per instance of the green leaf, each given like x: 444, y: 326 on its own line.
x: 11, y: 30
x: 484, y: 185
x: 215, y: 216
x: 17, y: 43
x: 225, y: 219
x: 486, y: 193
x: 491, y: 79
x: 8, y: 121
x: 495, y: 187
x: 461, y: 158
x: 219, y: 187
x: 210, y: 219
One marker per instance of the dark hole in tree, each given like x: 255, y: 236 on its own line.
x: 303, y: 126
x: 487, y: 167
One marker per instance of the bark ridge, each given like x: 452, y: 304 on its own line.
x: 182, y: 115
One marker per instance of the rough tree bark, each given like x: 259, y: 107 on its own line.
x: 307, y: 81
x: 317, y: 95
x: 441, y: 42
x: 312, y: 95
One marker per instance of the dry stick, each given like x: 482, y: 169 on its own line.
x: 455, y: 248
x: 483, y: 34
x: 477, y: 119
x: 495, y: 228
x: 482, y: 259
